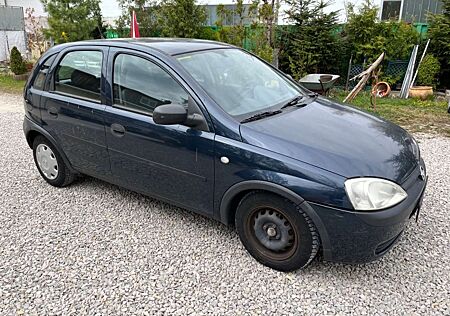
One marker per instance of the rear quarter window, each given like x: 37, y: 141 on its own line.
x: 39, y: 80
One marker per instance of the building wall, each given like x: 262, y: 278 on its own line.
x: 12, y: 31
x: 412, y: 11
x: 212, y: 18
x: 417, y: 11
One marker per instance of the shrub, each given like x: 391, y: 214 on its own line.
x: 439, y: 33
x: 17, y: 64
x: 208, y: 34
x: 428, y: 71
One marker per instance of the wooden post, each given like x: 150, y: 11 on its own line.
x: 365, y: 75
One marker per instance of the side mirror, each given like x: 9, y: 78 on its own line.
x: 169, y: 114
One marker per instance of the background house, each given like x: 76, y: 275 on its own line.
x: 212, y: 17
x: 410, y: 11
x: 13, y: 25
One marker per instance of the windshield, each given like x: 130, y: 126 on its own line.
x: 239, y: 82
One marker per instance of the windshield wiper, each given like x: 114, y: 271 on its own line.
x: 261, y: 115
x: 296, y: 101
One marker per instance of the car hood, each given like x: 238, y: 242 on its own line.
x: 337, y: 138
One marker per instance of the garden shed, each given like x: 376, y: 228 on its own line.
x: 12, y: 31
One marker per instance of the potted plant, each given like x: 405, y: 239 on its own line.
x: 17, y: 65
x: 426, y: 78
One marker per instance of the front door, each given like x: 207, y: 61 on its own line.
x: 173, y: 162
x: 73, y: 112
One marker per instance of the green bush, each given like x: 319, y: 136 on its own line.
x: 208, y: 34
x: 439, y: 33
x: 428, y: 71
x: 17, y: 64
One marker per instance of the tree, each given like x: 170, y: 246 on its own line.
x: 100, y: 29
x: 145, y: 14
x: 311, y: 45
x: 181, y: 18
x: 234, y: 34
x: 254, y: 29
x: 71, y: 20
x: 267, y: 20
x: 17, y: 64
x: 35, y: 32
x: 439, y: 33
x: 368, y: 38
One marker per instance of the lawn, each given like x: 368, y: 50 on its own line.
x: 428, y: 116
x: 8, y: 84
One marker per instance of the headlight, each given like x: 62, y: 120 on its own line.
x: 369, y: 194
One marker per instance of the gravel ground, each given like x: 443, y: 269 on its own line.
x: 96, y: 249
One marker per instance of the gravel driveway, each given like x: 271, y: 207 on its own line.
x: 96, y: 249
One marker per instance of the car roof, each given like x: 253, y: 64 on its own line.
x: 169, y: 46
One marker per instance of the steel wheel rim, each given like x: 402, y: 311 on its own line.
x: 47, y: 162
x: 272, y: 233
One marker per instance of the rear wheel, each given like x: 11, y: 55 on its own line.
x: 276, y: 232
x: 50, y: 164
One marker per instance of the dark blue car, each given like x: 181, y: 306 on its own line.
x: 213, y: 129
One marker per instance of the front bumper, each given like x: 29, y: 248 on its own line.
x: 358, y: 237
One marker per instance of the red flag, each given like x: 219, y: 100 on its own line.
x: 134, y: 31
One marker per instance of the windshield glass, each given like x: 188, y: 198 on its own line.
x: 239, y: 82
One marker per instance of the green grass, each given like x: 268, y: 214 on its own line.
x: 8, y: 84
x: 414, y: 115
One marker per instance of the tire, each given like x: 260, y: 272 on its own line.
x: 46, y: 157
x: 276, y: 232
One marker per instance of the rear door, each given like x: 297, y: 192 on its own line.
x: 173, y: 162
x: 73, y: 110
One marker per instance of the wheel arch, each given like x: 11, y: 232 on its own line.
x: 32, y: 131
x: 31, y: 135
x: 236, y: 192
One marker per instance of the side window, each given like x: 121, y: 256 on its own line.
x: 39, y: 81
x: 140, y: 85
x: 79, y: 74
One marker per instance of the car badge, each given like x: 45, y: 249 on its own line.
x: 422, y: 173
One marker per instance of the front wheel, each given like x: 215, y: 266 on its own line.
x: 276, y: 232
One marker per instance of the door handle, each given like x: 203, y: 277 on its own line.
x: 117, y: 130
x: 53, y: 112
